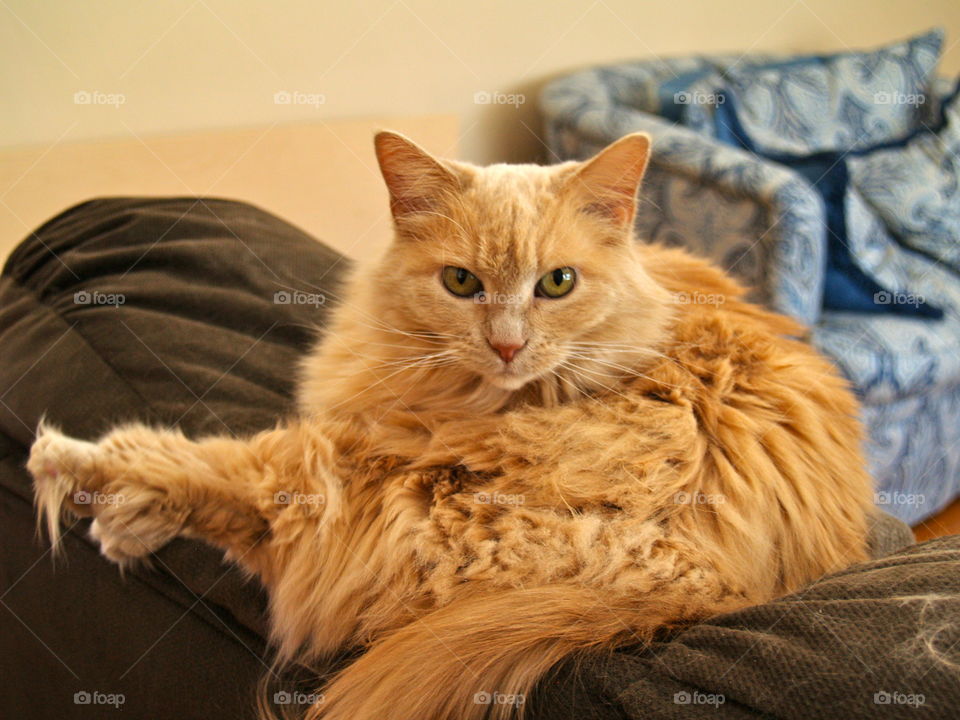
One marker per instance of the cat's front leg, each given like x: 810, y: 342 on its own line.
x: 143, y: 487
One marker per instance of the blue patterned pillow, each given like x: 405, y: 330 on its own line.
x: 819, y: 103
x: 848, y: 284
x: 915, y: 188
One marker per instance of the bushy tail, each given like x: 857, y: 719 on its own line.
x: 481, y: 657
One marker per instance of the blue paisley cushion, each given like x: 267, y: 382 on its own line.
x: 915, y: 188
x: 818, y: 103
x: 877, y: 254
x: 888, y: 358
x: 848, y: 284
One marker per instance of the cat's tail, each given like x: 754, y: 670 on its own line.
x: 481, y: 657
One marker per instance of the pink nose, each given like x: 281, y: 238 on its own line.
x: 507, y: 350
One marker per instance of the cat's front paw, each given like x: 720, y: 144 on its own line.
x: 64, y: 473
x: 94, y: 480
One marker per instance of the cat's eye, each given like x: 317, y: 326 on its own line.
x: 557, y: 283
x: 461, y: 282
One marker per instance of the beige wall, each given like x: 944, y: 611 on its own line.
x: 184, y: 65
x: 321, y: 177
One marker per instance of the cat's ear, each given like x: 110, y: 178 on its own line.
x: 417, y: 181
x: 607, y: 184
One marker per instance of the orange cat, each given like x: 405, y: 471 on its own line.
x: 524, y: 435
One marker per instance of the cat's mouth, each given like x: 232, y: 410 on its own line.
x: 510, y: 376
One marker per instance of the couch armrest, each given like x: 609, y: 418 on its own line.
x: 761, y: 221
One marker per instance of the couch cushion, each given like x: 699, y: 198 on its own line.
x: 819, y: 103
x: 915, y: 188
x: 164, y: 311
x: 848, y: 283
x: 878, y: 640
x: 888, y: 357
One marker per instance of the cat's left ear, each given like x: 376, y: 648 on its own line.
x: 607, y: 184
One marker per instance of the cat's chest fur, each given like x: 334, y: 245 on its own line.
x: 679, y: 464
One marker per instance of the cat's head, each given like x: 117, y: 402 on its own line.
x: 521, y: 272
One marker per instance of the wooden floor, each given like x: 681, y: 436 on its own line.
x: 946, y: 522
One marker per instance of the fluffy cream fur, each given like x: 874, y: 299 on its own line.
x: 658, y: 451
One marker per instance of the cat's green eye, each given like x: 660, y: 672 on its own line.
x: 461, y: 282
x: 557, y: 283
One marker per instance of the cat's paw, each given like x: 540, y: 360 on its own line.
x: 64, y: 472
x: 120, y: 541
x: 86, y: 480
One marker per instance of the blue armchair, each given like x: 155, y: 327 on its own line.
x: 765, y: 223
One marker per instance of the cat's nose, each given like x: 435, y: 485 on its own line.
x: 507, y: 349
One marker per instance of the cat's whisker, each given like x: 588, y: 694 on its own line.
x: 422, y: 364
x: 378, y: 324
x: 615, y: 347
x: 405, y: 346
x: 578, y: 372
x: 423, y: 336
x: 370, y: 387
x: 380, y: 360
x: 620, y: 348
x: 416, y: 356
x: 565, y: 380
x: 604, y: 344
x: 622, y: 370
x: 433, y: 360
x: 581, y: 372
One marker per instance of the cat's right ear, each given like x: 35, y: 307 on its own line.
x: 606, y: 185
x: 417, y: 181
